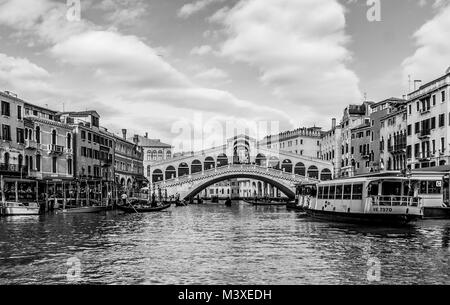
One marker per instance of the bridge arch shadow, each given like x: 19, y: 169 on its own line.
x: 198, y: 189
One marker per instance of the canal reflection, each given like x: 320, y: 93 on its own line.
x: 215, y: 244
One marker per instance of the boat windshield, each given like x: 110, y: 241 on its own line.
x: 391, y: 188
x: 308, y: 190
x: 20, y: 191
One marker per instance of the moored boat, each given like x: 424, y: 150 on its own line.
x: 380, y: 200
x: 18, y: 197
x: 17, y: 208
x: 82, y: 210
x: 266, y: 202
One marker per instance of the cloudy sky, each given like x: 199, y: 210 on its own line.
x: 152, y: 66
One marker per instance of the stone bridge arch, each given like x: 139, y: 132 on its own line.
x: 283, y: 188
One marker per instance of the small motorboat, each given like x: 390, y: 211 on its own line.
x: 18, y: 208
x: 83, y: 210
x: 143, y: 208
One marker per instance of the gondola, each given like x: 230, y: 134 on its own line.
x: 228, y: 202
x: 143, y: 209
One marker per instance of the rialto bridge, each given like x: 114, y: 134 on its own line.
x: 240, y: 157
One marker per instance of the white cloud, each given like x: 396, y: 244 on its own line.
x: 116, y: 58
x: 119, y: 75
x: 21, y: 74
x: 191, y: 8
x: 213, y: 76
x: 431, y: 57
x: 300, y: 55
x: 201, y: 50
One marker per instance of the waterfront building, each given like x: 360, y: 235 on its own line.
x: 153, y: 151
x: 354, y: 115
x: 48, y: 144
x: 330, y: 145
x: 94, y: 146
x: 302, y: 141
x: 12, y: 149
x: 128, y: 163
x: 360, y: 153
x: 428, y: 117
x: 393, y: 134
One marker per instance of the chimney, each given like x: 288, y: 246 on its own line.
x: 146, y: 135
x: 124, y: 134
x: 333, y: 123
x: 136, y: 139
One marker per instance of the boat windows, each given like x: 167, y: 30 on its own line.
x: 391, y: 188
x: 357, y: 191
x: 332, y: 190
x: 430, y: 187
x: 325, y: 192
x: 373, y: 189
x: 338, y: 192
x: 347, y: 192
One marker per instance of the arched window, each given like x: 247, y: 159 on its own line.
x: 149, y: 156
x: 148, y: 170
x: 69, y: 141
x: 154, y: 155
x: 38, y: 163
x: 168, y: 154
x: 38, y: 134
x: 160, y: 155
x: 54, y: 137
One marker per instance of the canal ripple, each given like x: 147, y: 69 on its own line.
x: 214, y: 244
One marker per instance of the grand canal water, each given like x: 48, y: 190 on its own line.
x: 214, y: 244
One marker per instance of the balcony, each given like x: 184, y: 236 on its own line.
x: 424, y: 111
x: 424, y: 134
x: 424, y: 156
x: 55, y: 149
x: 31, y: 144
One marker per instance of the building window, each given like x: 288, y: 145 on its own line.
x: 443, y: 96
x: 69, y: 141
x: 409, y: 129
x: 53, y: 137
x: 6, y: 108
x: 434, y: 100
x: 69, y: 166
x: 89, y: 137
x: 441, y: 120
x: 83, y: 135
x: 19, y: 112
x: 442, y: 144
x: 38, y: 163
x: 409, y: 108
x: 417, y: 127
x: 38, y: 134
x: 6, y: 132
x: 20, y: 135
x: 54, y: 164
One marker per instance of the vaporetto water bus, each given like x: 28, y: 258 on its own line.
x: 383, y: 199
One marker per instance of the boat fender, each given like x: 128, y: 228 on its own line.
x: 323, y: 208
x: 407, y: 211
x: 334, y: 209
x: 348, y: 210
